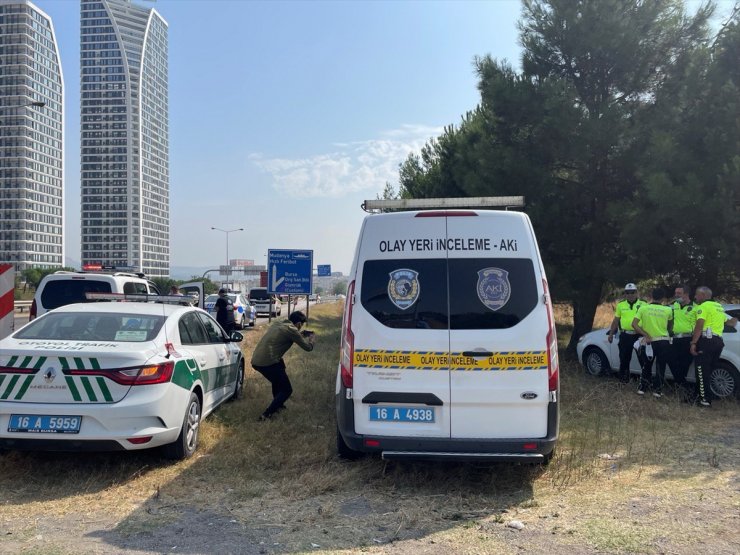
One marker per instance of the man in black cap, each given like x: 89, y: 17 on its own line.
x: 267, y: 358
x: 225, y: 311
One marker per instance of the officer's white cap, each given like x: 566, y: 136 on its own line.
x: 630, y: 287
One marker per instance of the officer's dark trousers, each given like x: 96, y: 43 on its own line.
x: 281, y: 388
x: 626, y: 344
x: 680, y: 359
x: 661, y: 356
x: 708, y: 351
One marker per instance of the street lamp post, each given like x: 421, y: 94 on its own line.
x: 227, y: 232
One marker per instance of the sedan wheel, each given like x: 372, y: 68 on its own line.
x: 723, y: 381
x: 595, y: 362
x: 187, y: 441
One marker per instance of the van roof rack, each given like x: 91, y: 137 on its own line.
x: 389, y: 205
x: 185, y: 300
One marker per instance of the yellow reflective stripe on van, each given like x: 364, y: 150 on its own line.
x: 431, y: 360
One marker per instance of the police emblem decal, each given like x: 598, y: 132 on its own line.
x: 493, y: 287
x: 403, y: 288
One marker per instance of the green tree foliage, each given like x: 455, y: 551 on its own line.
x: 569, y: 133
x: 339, y: 288
x: 691, y: 168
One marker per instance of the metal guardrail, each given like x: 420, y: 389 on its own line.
x: 22, y: 305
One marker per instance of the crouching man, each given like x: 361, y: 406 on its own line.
x: 267, y: 358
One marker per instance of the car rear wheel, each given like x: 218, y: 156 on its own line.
x: 723, y: 381
x: 595, y: 361
x: 187, y: 441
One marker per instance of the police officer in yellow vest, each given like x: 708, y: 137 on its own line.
x: 624, y: 314
x: 706, y: 342
x: 654, y: 322
x: 684, y: 320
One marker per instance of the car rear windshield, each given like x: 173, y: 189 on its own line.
x: 93, y: 326
x: 61, y: 292
x: 484, y: 293
x: 259, y: 295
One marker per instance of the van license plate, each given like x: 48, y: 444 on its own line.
x: 401, y: 414
x: 44, y: 424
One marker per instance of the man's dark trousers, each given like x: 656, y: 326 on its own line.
x: 680, y: 359
x: 281, y: 388
x: 661, y: 355
x: 708, y: 350
x: 625, y: 345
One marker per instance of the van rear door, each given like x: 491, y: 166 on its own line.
x: 498, y: 328
x: 400, y: 325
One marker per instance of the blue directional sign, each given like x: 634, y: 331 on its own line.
x: 323, y: 270
x: 289, y: 272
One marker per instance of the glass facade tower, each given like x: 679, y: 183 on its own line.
x: 31, y: 137
x: 125, y: 137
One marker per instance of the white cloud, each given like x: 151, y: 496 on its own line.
x: 352, y: 167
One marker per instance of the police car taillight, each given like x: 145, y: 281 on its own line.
x: 139, y: 375
x: 553, y: 364
x: 347, y: 352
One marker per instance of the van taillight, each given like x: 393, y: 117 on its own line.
x: 347, y: 352
x: 32, y: 312
x: 553, y: 364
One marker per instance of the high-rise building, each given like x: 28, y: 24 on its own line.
x: 125, y: 137
x: 31, y: 136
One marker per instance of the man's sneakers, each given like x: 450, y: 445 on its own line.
x: 657, y: 394
x: 641, y: 390
x: 704, y: 403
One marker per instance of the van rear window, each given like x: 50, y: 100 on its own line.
x: 484, y: 293
x: 61, y: 292
x: 403, y: 307
x: 491, y: 293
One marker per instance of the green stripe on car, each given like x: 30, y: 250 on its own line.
x: 88, y: 389
x: 39, y: 363
x: 73, y: 388
x: 11, y: 385
x: 104, y: 389
x: 24, y: 387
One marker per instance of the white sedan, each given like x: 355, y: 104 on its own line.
x: 116, y: 376
x: 600, y: 357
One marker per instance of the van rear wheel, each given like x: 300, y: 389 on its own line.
x: 344, y: 451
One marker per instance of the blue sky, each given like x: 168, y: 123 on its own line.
x: 285, y: 116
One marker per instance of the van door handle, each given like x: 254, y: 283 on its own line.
x: 477, y: 354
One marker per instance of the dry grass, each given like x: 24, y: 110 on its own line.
x: 631, y: 475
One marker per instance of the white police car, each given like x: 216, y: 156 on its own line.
x: 245, y: 314
x: 116, y: 376
x: 600, y: 358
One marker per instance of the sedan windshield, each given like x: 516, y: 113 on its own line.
x: 93, y: 326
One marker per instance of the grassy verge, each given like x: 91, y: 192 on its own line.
x: 630, y: 475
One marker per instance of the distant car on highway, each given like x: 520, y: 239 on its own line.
x: 264, y: 302
x: 245, y: 313
x: 600, y: 358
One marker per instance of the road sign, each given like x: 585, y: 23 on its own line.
x: 224, y: 270
x: 290, y: 272
x: 323, y: 270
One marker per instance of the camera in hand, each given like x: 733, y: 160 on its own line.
x: 307, y: 333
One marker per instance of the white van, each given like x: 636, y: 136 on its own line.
x: 64, y: 287
x: 264, y: 302
x: 448, y: 346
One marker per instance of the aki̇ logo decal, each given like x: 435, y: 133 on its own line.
x: 493, y: 287
x: 403, y: 288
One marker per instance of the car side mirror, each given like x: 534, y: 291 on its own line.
x: 730, y: 329
x: 236, y: 337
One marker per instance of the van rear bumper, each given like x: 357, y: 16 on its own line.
x: 531, y: 450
